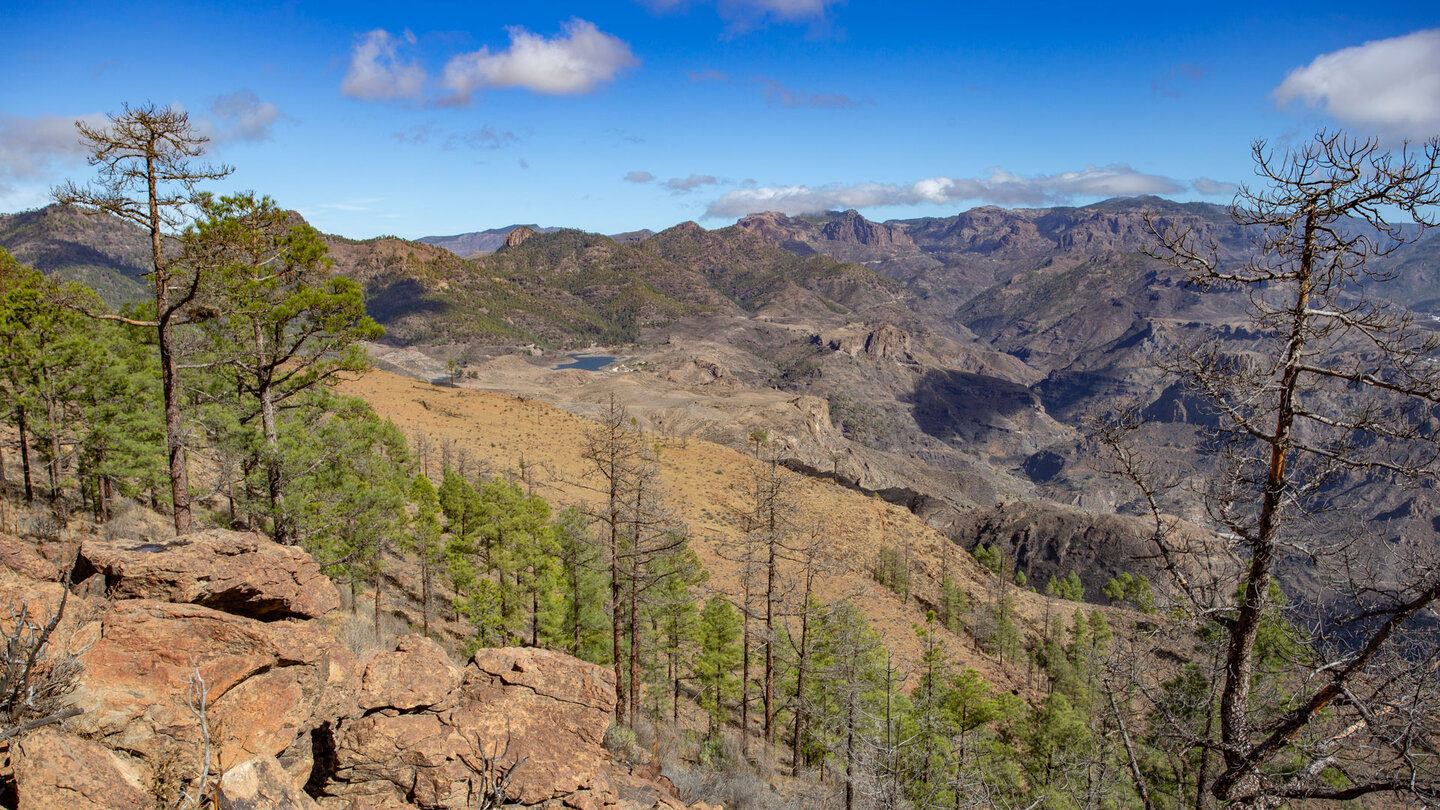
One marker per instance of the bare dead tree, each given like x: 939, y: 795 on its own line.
x: 34, y: 679
x: 146, y: 176
x: 614, y: 453
x: 197, y: 702
x: 1341, y: 384
x: 487, y: 788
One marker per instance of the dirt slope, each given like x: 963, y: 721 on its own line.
x: 705, y: 483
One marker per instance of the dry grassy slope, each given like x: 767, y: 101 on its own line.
x: 705, y: 482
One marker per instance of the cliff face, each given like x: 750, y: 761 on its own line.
x: 215, y: 645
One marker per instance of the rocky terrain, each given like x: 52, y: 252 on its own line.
x: 218, y: 651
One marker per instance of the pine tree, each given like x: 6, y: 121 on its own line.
x: 282, y: 325
x: 146, y: 176
x: 583, y: 626
x: 425, y: 541
x: 717, y: 660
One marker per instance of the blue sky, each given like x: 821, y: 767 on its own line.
x: 425, y: 118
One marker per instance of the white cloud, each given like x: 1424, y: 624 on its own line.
x: 1211, y: 188
x: 1000, y: 187
x: 239, y: 116
x: 31, y: 145
x: 777, y: 93
x: 1389, y: 85
x: 574, y: 62
x: 681, y: 185
x: 376, y: 71
x: 639, y: 177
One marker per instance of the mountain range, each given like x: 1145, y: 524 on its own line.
x: 942, y: 363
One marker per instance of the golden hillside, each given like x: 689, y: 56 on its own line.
x: 705, y: 483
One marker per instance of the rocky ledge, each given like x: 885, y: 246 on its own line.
x: 212, y: 652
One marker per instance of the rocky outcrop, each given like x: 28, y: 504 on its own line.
x: 886, y: 342
x: 266, y: 685
x: 851, y: 227
x: 55, y: 769
x: 700, y: 371
x: 24, y: 560
x: 428, y: 727
x: 1047, y: 540
x: 235, y: 572
x: 518, y: 236
x: 290, y: 717
x: 261, y: 784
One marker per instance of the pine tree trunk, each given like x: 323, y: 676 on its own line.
x: 800, y: 680
x: 425, y: 591
x: 745, y: 685
x: 24, y: 455
x: 377, y: 603
x: 634, y: 643
x: 174, y: 422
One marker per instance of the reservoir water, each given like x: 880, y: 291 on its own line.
x: 588, y: 362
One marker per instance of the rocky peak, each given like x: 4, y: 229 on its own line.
x: 853, y: 228
x: 885, y: 342
x: 518, y: 236
x: 775, y: 227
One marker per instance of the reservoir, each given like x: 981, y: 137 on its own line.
x: 589, y: 362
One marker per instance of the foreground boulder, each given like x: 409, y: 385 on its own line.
x: 289, y: 716
x: 266, y: 685
x: 260, y: 784
x: 534, y: 718
x: 54, y: 768
x: 236, y: 572
x: 23, y: 559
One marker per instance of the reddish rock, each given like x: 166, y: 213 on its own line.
x: 237, y: 572
x: 261, y: 784
x: 23, y: 559
x: 552, y: 711
x: 267, y: 684
x: 56, y: 769
x: 518, y: 236
x: 418, y: 674
x: 851, y: 227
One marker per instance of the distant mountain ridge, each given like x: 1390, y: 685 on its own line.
x: 474, y: 243
x: 105, y: 253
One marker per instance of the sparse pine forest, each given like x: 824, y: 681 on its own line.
x: 216, y: 402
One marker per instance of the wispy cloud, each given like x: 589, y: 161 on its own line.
x: 745, y: 15
x: 1211, y: 188
x: 1174, y: 83
x: 31, y: 145
x: 1391, y: 86
x: 377, y: 73
x: 239, y: 116
x: 638, y: 177
x: 1000, y: 187
x: 777, y: 93
x: 417, y: 134
x: 709, y: 75
x: 486, y: 137
x: 574, y: 62
x: 683, y: 185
